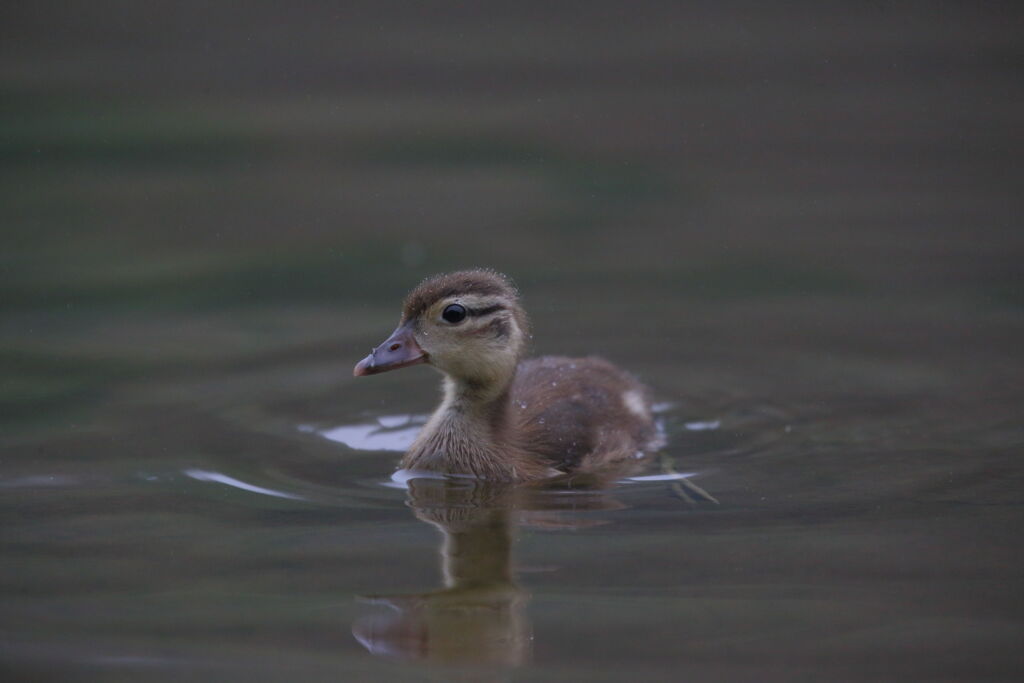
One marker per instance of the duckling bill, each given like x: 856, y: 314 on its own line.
x: 503, y: 418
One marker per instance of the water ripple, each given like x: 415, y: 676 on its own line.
x: 217, y: 477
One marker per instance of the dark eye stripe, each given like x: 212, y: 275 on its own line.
x: 485, y: 311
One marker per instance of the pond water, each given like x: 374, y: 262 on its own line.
x: 801, y: 230
x: 218, y: 523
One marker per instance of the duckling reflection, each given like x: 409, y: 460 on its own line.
x: 479, y: 616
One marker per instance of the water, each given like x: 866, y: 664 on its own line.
x: 801, y: 232
x: 196, y: 525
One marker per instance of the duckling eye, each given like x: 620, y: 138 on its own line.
x: 454, y: 313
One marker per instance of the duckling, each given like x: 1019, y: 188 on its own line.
x: 503, y: 418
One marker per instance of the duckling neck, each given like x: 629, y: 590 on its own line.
x: 468, y: 434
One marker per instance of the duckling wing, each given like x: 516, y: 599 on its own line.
x: 580, y: 413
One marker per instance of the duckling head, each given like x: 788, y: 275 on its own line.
x: 467, y: 324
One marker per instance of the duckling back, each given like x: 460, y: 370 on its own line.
x: 581, y: 414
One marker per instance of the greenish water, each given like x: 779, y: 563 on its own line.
x: 804, y: 236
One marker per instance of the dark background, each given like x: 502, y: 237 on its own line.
x: 188, y: 154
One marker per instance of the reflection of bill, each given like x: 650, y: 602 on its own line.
x: 479, y: 615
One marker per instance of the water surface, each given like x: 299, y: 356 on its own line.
x: 244, y: 522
